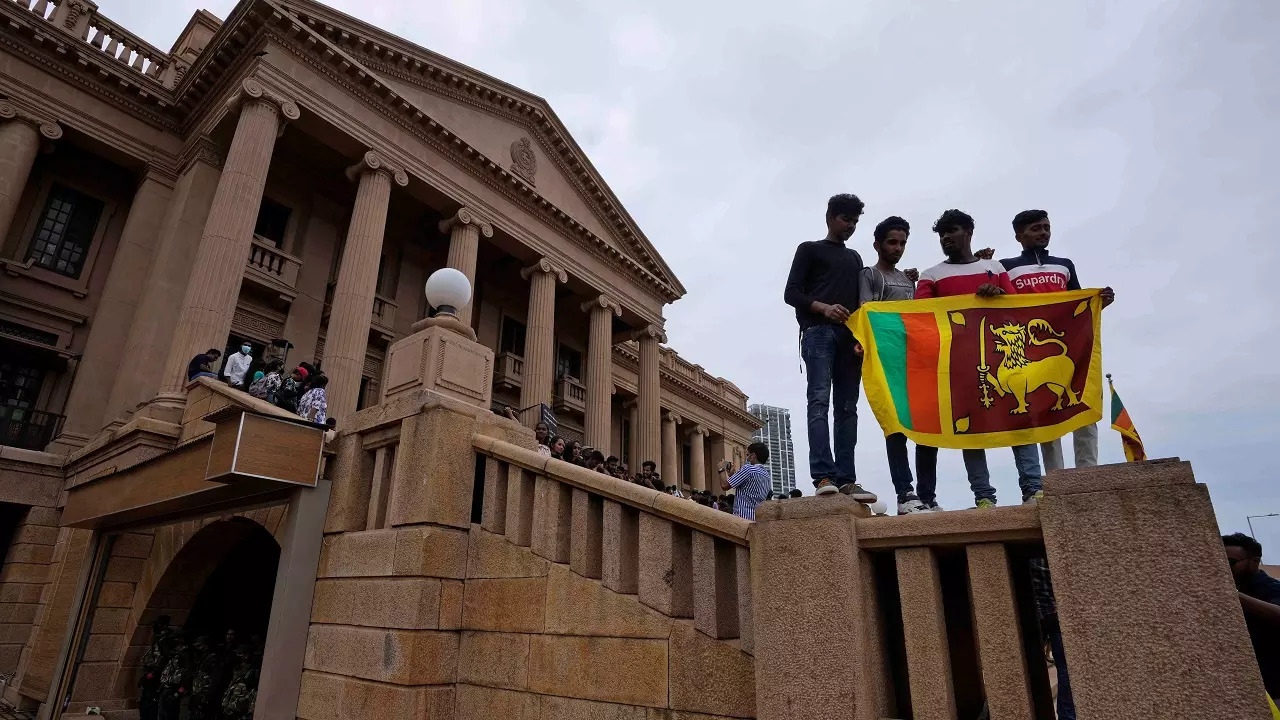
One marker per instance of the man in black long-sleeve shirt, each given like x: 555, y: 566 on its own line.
x: 823, y: 288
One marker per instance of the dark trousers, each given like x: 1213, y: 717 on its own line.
x: 900, y: 468
x: 833, y: 372
x: 148, y: 703
x: 1066, y: 705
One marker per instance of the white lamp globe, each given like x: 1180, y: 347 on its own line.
x: 878, y: 507
x: 448, y: 291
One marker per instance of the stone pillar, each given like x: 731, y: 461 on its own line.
x: 670, y: 449
x: 465, y: 229
x: 104, y: 350
x: 633, y: 450
x: 600, y: 371
x: 205, y: 319
x: 539, y: 338
x: 1170, y: 605
x: 347, y: 335
x: 697, y: 458
x: 648, y: 443
x: 20, y: 134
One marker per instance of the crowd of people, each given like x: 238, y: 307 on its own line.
x: 742, y: 489
x: 828, y: 282
x: 301, y: 391
x: 200, y: 678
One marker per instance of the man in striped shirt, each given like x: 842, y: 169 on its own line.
x: 750, y: 483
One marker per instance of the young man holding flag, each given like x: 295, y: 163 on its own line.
x: 964, y: 273
x: 1036, y: 271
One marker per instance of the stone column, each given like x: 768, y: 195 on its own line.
x: 600, y: 370
x: 104, y: 351
x: 20, y: 134
x: 670, y: 449
x: 539, y: 337
x: 465, y: 229
x: 347, y: 335
x: 210, y: 302
x: 697, y: 458
x: 648, y: 443
x: 633, y: 450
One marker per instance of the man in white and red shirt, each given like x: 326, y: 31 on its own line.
x: 1036, y: 271
x: 963, y: 273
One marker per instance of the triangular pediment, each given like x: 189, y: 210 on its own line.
x: 511, y: 128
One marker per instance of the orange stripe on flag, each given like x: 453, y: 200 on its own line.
x: 923, y: 346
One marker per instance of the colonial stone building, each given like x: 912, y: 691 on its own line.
x: 288, y: 178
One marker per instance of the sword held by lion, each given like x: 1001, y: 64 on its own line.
x: 1018, y: 376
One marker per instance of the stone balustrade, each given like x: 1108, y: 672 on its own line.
x: 273, y: 268
x: 82, y: 20
x: 509, y: 370
x: 680, y: 558
x: 384, y: 314
x: 570, y: 394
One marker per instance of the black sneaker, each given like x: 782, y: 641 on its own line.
x: 857, y: 492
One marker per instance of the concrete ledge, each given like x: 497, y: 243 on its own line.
x: 955, y: 527
x: 1119, y: 476
x: 811, y: 507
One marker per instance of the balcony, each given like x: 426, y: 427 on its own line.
x: 273, y: 269
x: 382, y: 314
x: 26, y: 428
x: 508, y: 371
x: 570, y: 394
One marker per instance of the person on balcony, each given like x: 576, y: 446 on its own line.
x: 1260, y: 599
x: 823, y: 287
x: 751, y: 482
x: 237, y: 365
x: 268, y: 385
x: 314, y: 405
x: 556, y: 444
x: 291, y: 389
x: 541, y: 433
x: 202, y: 364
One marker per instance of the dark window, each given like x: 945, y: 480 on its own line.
x: 512, y: 339
x: 362, y: 399
x: 65, y: 231
x: 21, y: 375
x: 272, y: 220
x: 26, y: 333
x: 569, y: 362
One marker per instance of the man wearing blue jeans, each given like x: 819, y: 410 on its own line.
x: 823, y: 287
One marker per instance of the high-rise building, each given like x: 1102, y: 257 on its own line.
x: 776, y: 433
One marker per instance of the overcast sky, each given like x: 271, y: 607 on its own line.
x: 1146, y: 128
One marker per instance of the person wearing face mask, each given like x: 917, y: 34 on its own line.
x: 237, y: 366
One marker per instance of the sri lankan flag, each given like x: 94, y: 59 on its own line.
x: 1123, y: 424
x: 968, y: 372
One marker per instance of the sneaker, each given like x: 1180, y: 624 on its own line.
x: 933, y: 506
x: 1033, y: 498
x: 909, y: 504
x: 825, y: 487
x: 859, y: 493
x: 985, y: 504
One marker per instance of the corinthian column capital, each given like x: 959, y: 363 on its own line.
x: 602, y: 301
x: 252, y: 90
x: 374, y: 162
x: 466, y: 216
x: 545, y: 266
x: 49, y: 129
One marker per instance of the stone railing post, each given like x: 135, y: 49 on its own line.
x: 21, y: 133
x: 210, y: 302
x: 1150, y: 616
x: 348, y: 334
x: 465, y: 229
x: 599, y: 419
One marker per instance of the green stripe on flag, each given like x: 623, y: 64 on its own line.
x: 1117, y: 407
x: 891, y: 349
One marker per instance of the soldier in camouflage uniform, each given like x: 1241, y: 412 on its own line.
x: 242, y: 691
x: 207, y: 681
x: 175, y: 680
x: 153, y: 662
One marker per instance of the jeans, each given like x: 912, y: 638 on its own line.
x: 832, y: 368
x: 1066, y: 704
x: 975, y: 465
x: 900, y: 468
x: 1085, y: 441
x: 1025, y: 457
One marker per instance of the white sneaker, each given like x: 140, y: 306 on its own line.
x: 911, y: 505
x: 933, y: 507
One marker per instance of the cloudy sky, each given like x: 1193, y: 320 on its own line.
x: 1146, y: 128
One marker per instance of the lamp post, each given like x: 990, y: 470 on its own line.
x: 448, y: 291
x: 1249, y: 519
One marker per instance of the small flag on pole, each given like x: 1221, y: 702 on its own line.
x: 1123, y: 424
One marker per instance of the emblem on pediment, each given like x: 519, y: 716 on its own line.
x: 523, y: 162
